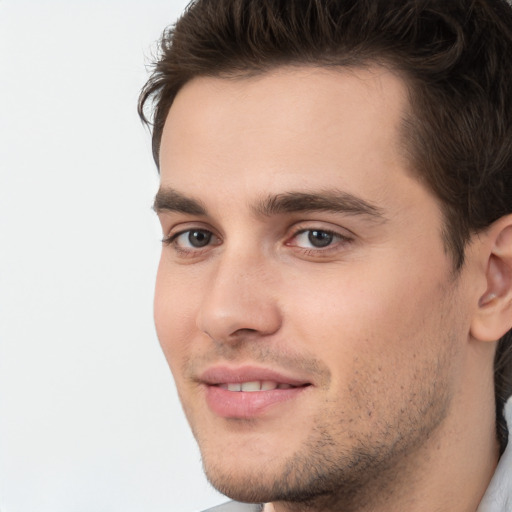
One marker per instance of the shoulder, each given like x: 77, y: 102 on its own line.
x: 235, y: 506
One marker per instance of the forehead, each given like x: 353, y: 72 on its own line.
x: 290, y: 128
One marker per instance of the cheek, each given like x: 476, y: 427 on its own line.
x: 174, y: 305
x: 377, y: 317
x: 384, y: 346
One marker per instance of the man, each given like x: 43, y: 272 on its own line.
x: 334, y: 296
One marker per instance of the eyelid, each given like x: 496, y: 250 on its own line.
x: 178, y: 228
x: 343, y: 237
x: 328, y: 227
x: 184, y: 252
x: 174, y: 236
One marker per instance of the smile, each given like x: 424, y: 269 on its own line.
x: 246, y: 392
x: 257, y: 385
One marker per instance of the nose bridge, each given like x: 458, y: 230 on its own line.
x: 238, y: 297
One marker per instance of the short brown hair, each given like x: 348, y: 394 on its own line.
x: 455, y: 55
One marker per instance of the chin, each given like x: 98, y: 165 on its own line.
x: 245, y: 474
x: 291, y: 481
x: 262, y: 473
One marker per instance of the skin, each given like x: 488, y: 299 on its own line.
x: 375, y: 321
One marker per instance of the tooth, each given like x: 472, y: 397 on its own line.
x: 234, y: 387
x: 268, y: 385
x: 251, y: 386
x: 284, y: 386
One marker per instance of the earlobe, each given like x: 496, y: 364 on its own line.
x: 493, y: 317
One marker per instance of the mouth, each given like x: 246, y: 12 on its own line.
x: 256, y: 385
x: 248, y: 392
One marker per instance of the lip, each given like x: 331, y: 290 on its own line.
x: 246, y: 405
x: 216, y: 375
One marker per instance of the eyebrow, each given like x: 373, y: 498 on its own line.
x: 169, y: 199
x: 326, y: 201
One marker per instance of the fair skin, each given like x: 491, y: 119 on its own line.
x: 303, y: 257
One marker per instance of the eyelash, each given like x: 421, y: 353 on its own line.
x: 171, y: 240
x: 338, y: 240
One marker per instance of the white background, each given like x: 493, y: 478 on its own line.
x: 89, y: 419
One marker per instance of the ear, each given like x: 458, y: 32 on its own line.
x: 493, y: 317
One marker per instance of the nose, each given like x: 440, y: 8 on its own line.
x: 238, y: 300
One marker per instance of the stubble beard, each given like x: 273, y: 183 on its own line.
x: 354, y: 475
x: 343, y: 465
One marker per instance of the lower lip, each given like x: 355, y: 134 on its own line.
x: 240, y: 404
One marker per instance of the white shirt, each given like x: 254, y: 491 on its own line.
x: 498, y: 497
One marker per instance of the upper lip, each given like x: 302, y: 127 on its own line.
x: 216, y: 375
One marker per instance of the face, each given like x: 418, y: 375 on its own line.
x: 305, y: 302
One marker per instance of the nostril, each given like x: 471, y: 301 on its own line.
x: 244, y: 331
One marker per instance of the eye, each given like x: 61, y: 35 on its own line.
x: 191, y: 239
x: 317, y: 239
